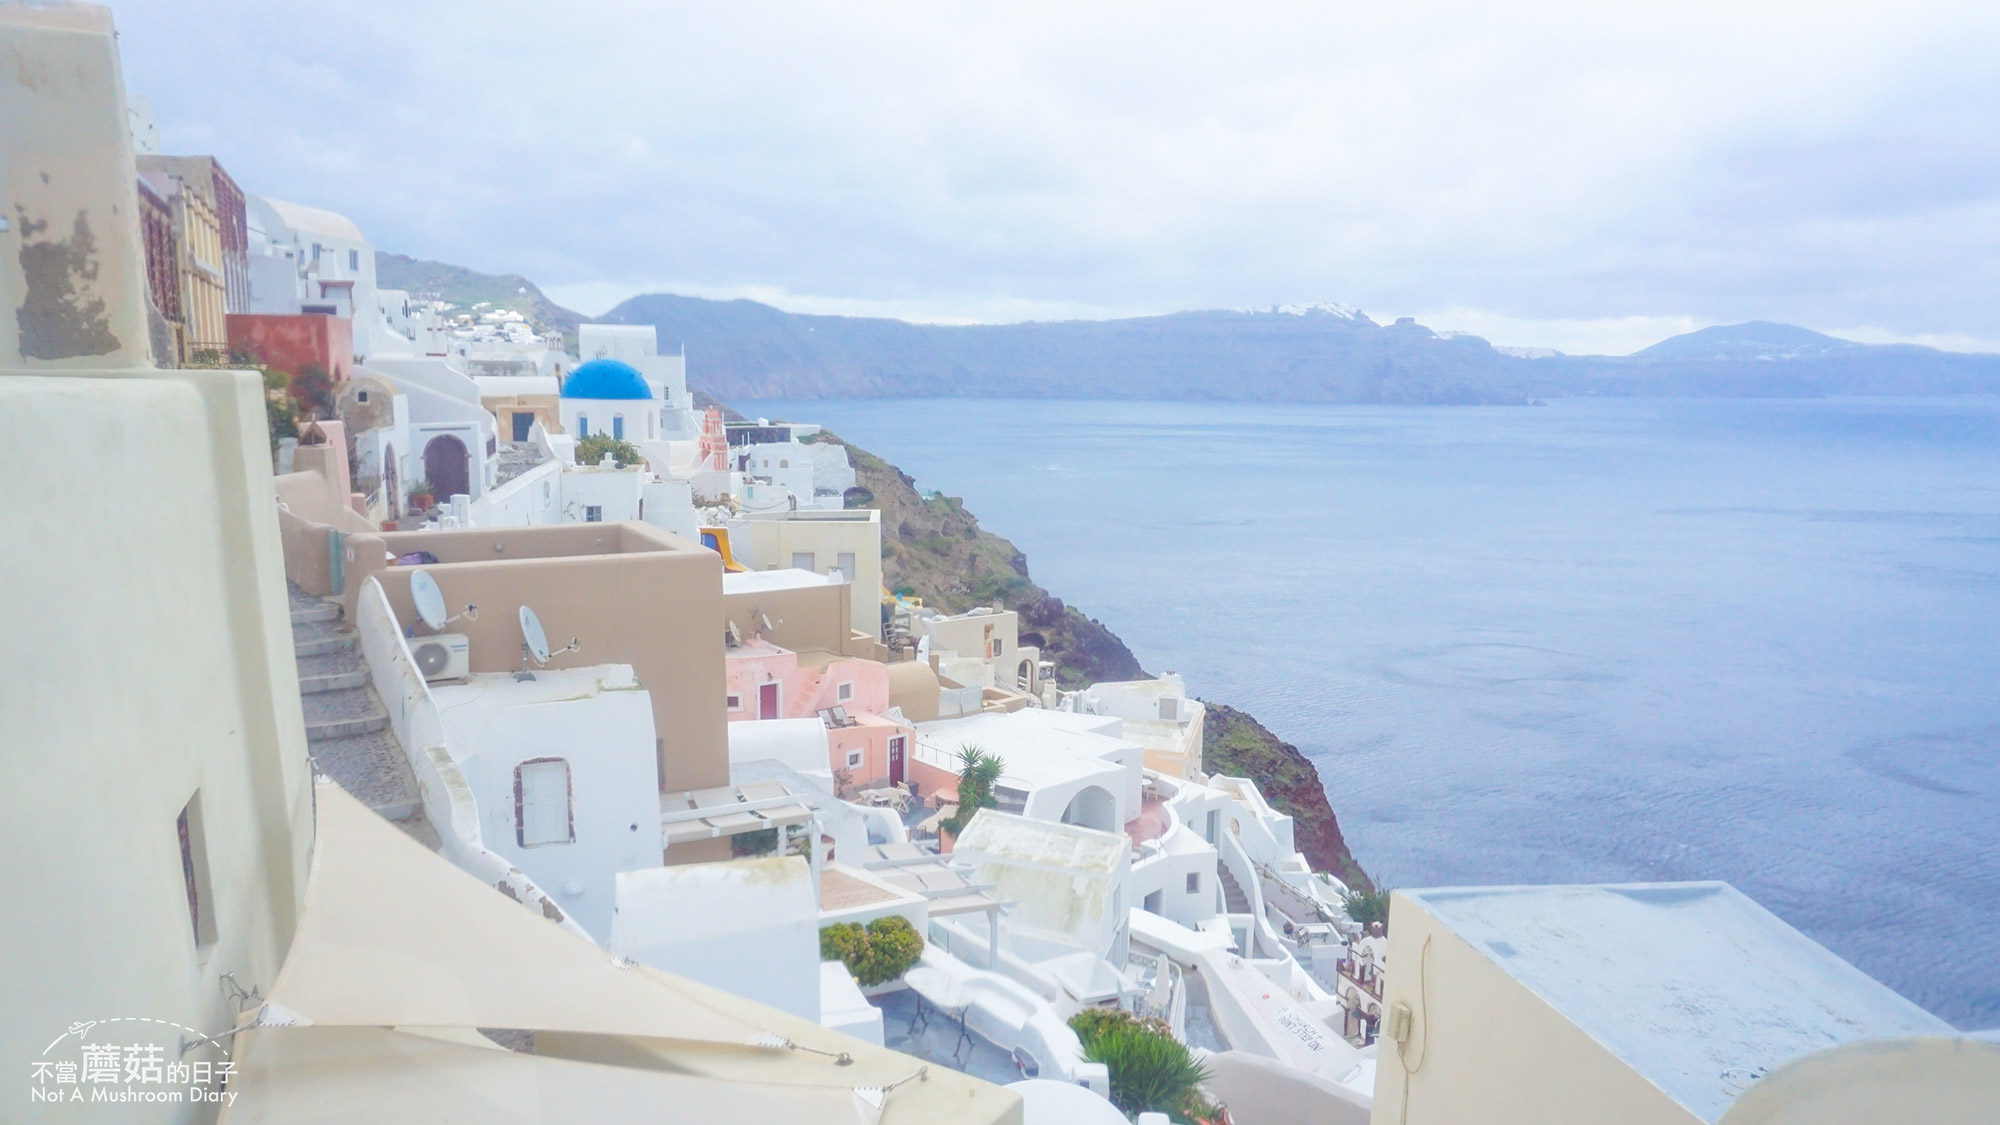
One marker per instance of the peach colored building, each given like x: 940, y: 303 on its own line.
x: 849, y: 694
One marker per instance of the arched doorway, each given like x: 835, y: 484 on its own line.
x: 1092, y: 807
x: 446, y: 466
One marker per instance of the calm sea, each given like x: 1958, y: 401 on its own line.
x: 1593, y: 641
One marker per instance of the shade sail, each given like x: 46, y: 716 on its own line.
x: 310, y: 1075
x: 394, y: 935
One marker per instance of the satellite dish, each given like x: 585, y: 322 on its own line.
x: 533, y: 636
x: 735, y: 636
x: 535, y: 644
x: 766, y: 619
x: 430, y: 600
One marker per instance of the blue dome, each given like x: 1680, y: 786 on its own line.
x: 606, y: 378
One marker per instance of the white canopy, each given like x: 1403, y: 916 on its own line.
x: 394, y: 940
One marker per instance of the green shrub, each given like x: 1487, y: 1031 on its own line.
x: 881, y: 951
x: 591, y: 450
x: 1151, y: 1071
x: 1368, y: 906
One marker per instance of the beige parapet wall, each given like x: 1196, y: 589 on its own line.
x: 629, y: 592
x: 148, y: 667
x: 803, y: 619
x: 1651, y: 1004
x: 313, y: 514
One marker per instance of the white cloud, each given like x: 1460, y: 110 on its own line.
x: 1583, y: 168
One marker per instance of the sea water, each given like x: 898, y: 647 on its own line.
x: 1601, y: 640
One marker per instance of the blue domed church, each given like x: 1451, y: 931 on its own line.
x: 609, y: 396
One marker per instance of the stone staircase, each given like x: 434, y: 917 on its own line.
x: 347, y: 729
x: 1232, y: 891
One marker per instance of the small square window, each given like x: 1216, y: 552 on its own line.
x: 593, y: 513
x: 1194, y: 882
x: 735, y: 703
x: 845, y: 692
x: 854, y: 759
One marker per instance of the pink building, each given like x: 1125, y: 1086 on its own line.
x: 848, y: 693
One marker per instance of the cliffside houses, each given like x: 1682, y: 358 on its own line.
x: 577, y: 755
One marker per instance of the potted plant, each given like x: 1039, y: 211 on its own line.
x: 1151, y: 1071
x: 421, y: 497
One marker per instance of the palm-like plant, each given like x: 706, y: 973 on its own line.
x: 978, y: 773
x: 1151, y: 1072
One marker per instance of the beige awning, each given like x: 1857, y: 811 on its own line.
x: 394, y: 940
x: 394, y: 935
x: 311, y: 1075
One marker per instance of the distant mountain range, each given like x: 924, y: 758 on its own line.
x: 743, y: 351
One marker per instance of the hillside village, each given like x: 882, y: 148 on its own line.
x: 589, y: 745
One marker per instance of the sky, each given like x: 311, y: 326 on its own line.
x: 1588, y: 177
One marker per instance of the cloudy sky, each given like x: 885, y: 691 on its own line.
x: 1588, y: 177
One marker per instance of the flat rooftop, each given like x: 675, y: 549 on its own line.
x: 764, y: 581
x: 1693, y: 985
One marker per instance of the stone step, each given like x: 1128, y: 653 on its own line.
x: 326, y: 611
x: 346, y: 728
x: 337, y: 681
x: 320, y: 646
x: 1232, y: 892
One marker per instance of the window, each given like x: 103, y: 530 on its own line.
x: 804, y: 560
x: 735, y: 703
x: 784, y: 464
x: 194, y: 871
x: 1214, y: 824
x: 1194, y: 882
x: 854, y: 759
x: 1170, y: 709
x: 541, y: 803
x: 618, y: 426
x: 583, y: 425
x: 593, y: 513
x: 845, y: 562
x: 315, y: 251
x: 844, y: 692
x: 361, y: 396
x: 354, y: 259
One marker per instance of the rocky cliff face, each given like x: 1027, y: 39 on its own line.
x: 935, y: 549
x: 1234, y: 743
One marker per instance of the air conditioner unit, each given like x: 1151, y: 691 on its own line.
x: 446, y: 656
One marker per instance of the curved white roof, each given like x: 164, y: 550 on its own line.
x: 312, y: 220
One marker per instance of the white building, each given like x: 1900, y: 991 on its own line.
x: 748, y: 926
x: 308, y: 260
x: 562, y: 768
x: 1058, y: 767
x: 1158, y: 715
x: 637, y: 347
x: 609, y: 396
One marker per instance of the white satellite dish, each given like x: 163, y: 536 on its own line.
x: 535, y: 644
x: 533, y: 636
x: 430, y: 600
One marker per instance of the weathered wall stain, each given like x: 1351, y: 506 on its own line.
x: 62, y: 316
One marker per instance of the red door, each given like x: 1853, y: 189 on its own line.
x: 767, y: 701
x: 896, y: 760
